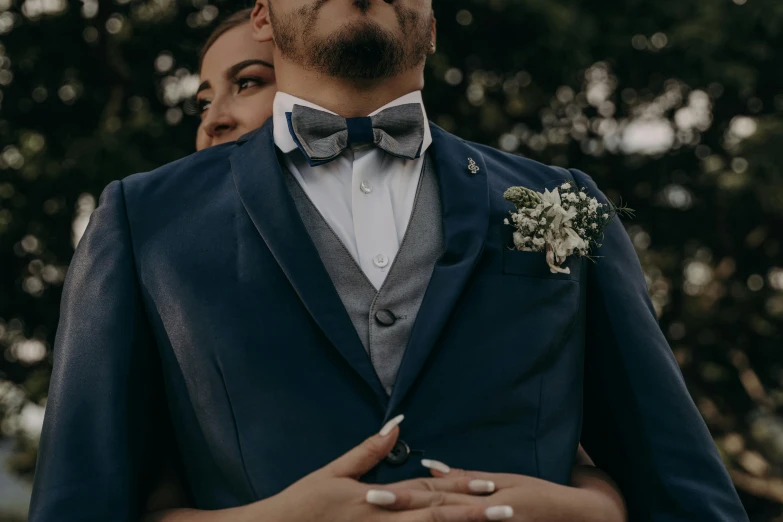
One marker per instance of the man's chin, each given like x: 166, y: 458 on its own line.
x: 359, y: 50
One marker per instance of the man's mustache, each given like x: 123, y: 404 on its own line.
x: 364, y: 5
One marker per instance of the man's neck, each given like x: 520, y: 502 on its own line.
x: 348, y: 98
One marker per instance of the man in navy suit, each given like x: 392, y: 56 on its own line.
x: 266, y: 304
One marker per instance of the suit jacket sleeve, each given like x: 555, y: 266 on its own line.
x: 105, y: 401
x: 640, y: 423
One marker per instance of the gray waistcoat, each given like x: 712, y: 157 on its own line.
x: 383, y: 318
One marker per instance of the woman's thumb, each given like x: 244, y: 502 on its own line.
x: 366, y: 455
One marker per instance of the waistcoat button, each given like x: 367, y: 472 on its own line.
x: 399, y: 454
x: 385, y: 317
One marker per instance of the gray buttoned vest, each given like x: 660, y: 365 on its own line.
x: 382, y: 318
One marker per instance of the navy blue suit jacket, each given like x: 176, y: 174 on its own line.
x: 196, y: 305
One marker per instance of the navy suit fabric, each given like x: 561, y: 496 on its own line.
x: 197, y: 318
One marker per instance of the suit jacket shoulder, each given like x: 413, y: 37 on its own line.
x: 512, y: 169
x: 180, y: 180
x: 176, y: 199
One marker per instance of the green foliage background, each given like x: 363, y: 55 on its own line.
x: 675, y: 107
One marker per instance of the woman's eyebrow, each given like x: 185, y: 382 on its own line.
x: 234, y: 69
x: 204, y: 85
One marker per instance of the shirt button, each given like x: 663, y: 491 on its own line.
x: 380, y: 261
x: 365, y: 187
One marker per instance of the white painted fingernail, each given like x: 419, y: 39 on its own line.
x: 436, y: 465
x: 481, y: 486
x: 389, y: 426
x: 499, y: 513
x: 380, y: 497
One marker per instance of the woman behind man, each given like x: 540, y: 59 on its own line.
x: 235, y: 96
x: 237, y: 83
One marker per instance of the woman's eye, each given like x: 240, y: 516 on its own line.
x: 244, y: 83
x: 203, y: 105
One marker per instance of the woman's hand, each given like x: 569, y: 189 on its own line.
x: 335, y: 494
x: 531, y: 499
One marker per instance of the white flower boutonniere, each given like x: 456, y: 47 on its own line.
x: 563, y: 222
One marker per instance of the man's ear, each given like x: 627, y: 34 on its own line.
x: 260, y: 22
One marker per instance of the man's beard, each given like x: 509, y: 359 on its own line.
x: 362, y: 50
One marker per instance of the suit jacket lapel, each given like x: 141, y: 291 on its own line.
x: 465, y: 203
x: 262, y: 190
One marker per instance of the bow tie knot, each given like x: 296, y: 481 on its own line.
x: 323, y: 136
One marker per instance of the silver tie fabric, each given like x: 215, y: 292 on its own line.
x: 323, y: 136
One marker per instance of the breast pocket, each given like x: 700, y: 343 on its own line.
x: 533, y: 264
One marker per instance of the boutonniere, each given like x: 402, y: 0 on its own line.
x: 563, y: 222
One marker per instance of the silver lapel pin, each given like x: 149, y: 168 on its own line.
x: 472, y: 167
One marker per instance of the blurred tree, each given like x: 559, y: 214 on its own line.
x: 674, y: 106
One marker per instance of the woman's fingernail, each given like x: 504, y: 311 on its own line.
x: 436, y: 465
x: 380, y: 497
x: 499, y: 513
x: 481, y: 486
x: 389, y: 426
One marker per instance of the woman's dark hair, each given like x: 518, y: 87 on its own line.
x: 234, y: 20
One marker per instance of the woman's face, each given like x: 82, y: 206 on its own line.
x: 237, y: 87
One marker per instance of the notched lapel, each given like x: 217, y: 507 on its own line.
x: 462, y: 177
x: 262, y: 190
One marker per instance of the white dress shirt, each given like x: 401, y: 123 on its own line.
x: 365, y: 194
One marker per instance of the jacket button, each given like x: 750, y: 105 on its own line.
x: 399, y: 454
x: 385, y: 318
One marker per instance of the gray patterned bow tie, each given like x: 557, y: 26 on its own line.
x: 323, y: 136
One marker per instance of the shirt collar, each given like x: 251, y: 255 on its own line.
x: 285, y: 102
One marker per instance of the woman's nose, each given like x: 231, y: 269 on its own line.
x: 218, y: 124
